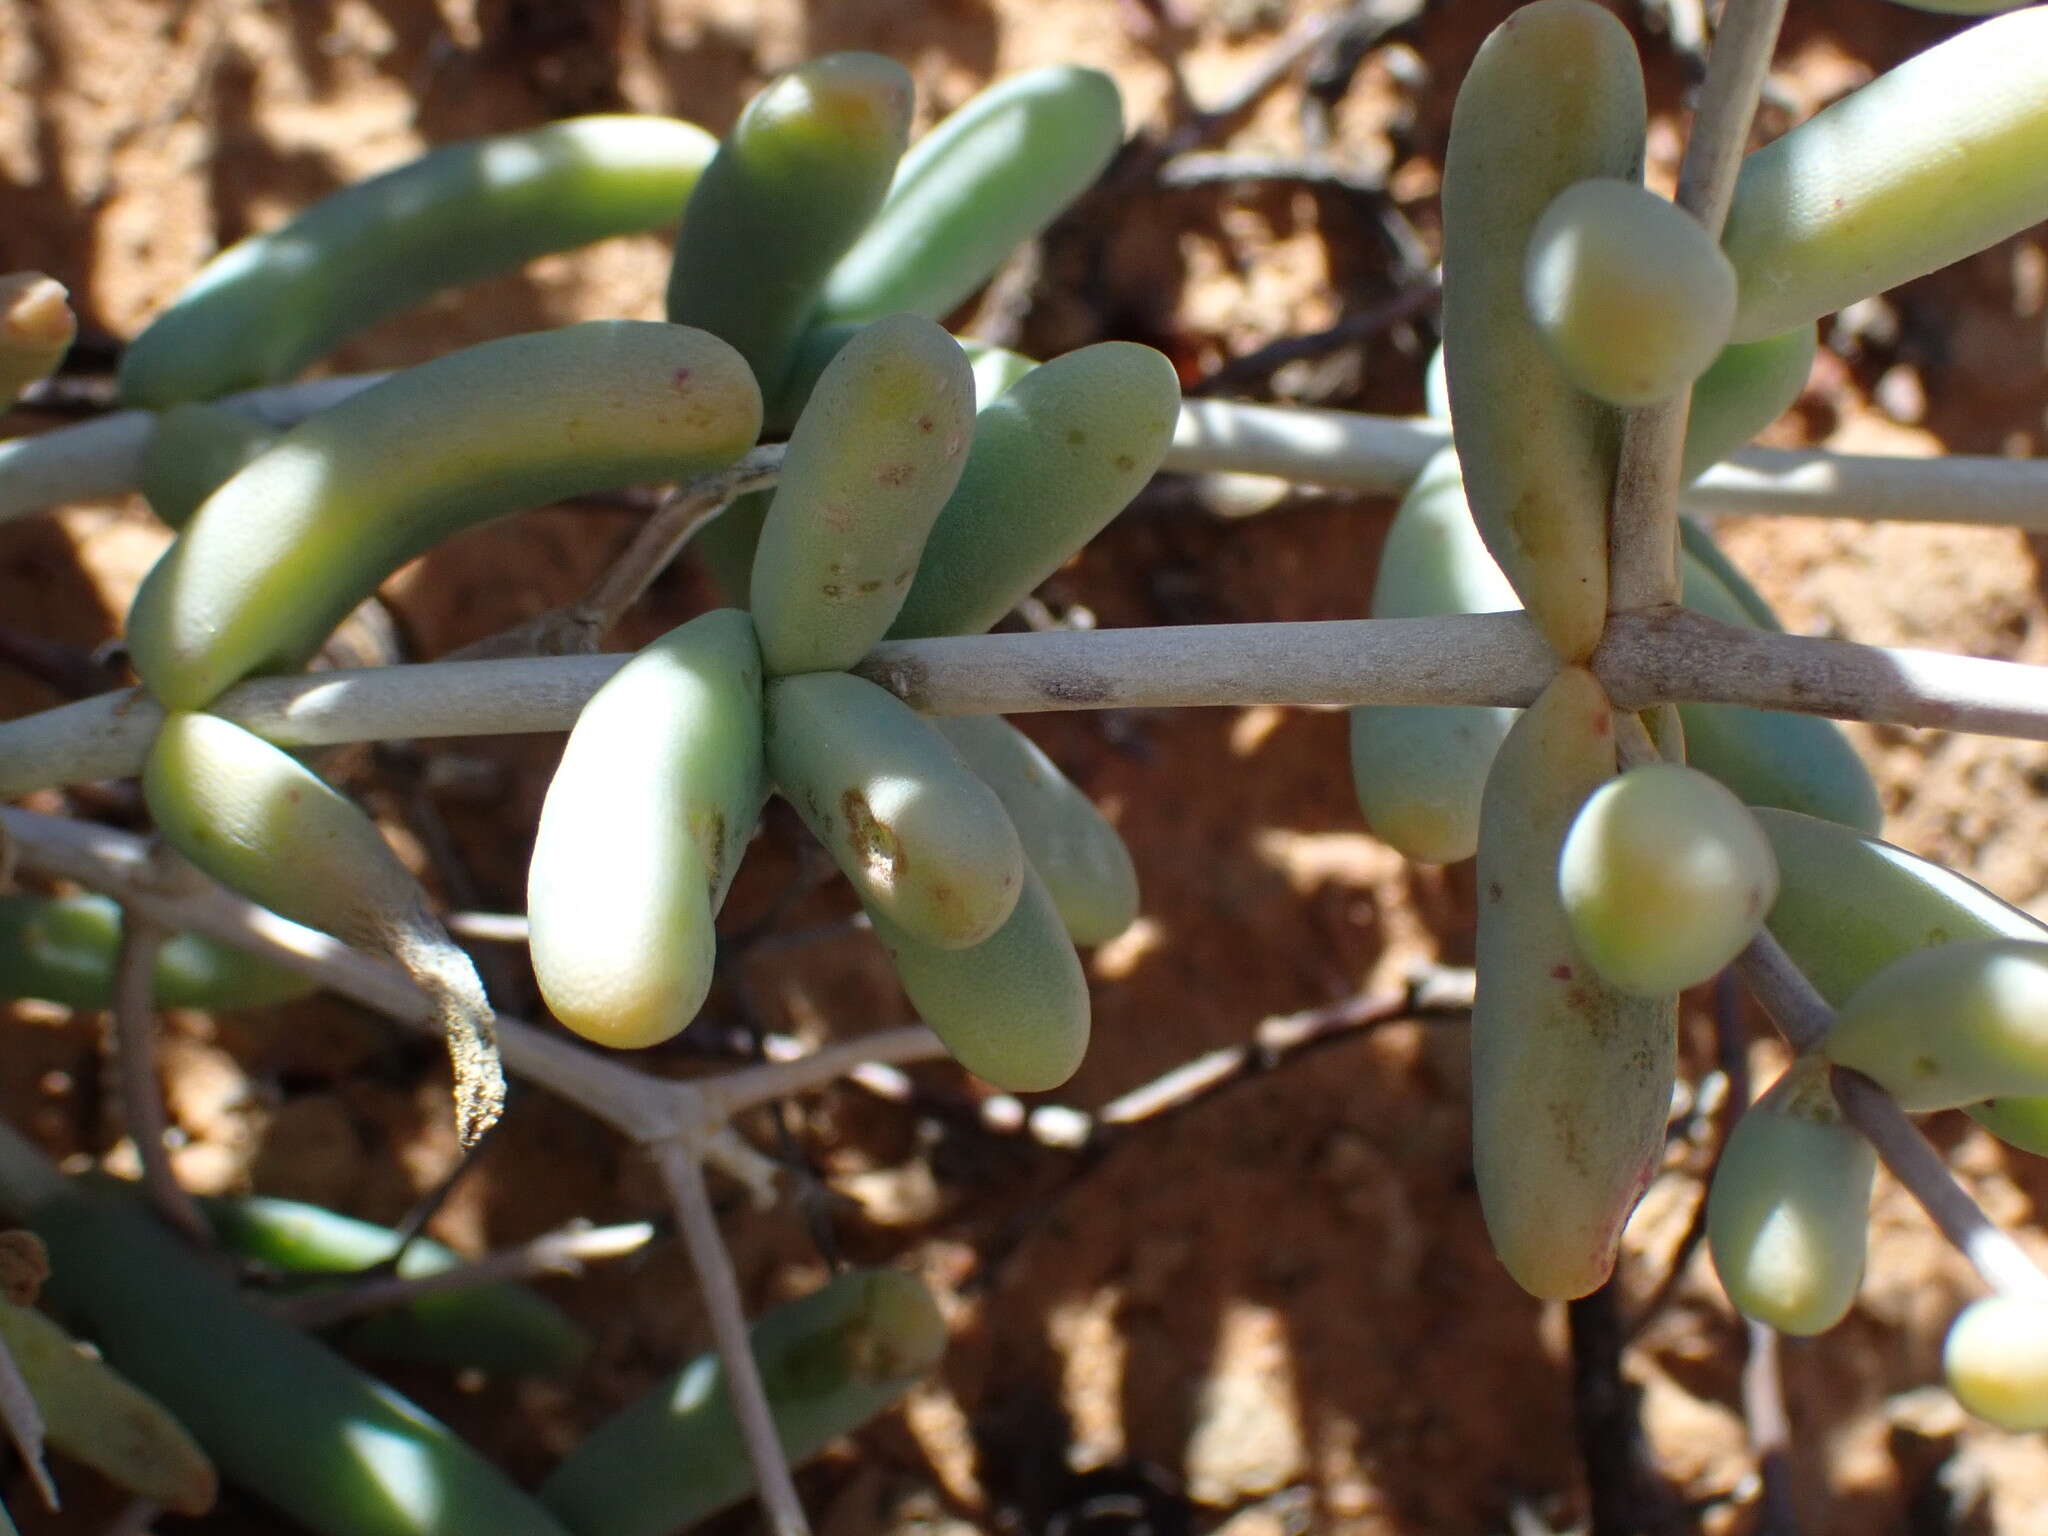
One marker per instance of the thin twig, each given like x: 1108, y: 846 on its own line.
x: 135, y: 1070
x: 2000, y: 1261
x: 563, y: 1252
x: 1254, y: 367
x: 1809, y: 482
x: 733, y: 1092
x: 69, y: 670
x: 1643, y: 529
x: 1633, y: 746
x: 412, y: 1227
x: 1382, y: 455
x: 677, y: 1162
x: 489, y: 927
x: 1745, y: 37
x: 1803, y: 1017
x: 580, y: 628
x: 1442, y: 992
x: 1213, y: 168
x: 1207, y: 124
x: 644, y: 1108
x: 1626, y: 1496
x: 1770, y: 1432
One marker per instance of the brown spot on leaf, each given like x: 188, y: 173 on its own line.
x: 873, y: 842
x: 1560, y: 972
x: 1125, y: 462
x: 714, y: 847
x: 895, y: 475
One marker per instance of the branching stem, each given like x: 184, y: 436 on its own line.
x: 1663, y: 656
x: 1803, y: 1017
x: 580, y: 628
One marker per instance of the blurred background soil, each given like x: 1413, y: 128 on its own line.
x: 1274, y: 1311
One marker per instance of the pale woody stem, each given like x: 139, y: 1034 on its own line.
x: 1643, y: 534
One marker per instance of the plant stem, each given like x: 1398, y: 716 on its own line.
x: 1382, y: 455
x: 1373, y: 455
x: 644, y: 1108
x: 135, y: 1069
x: 1801, y: 1014
x: 677, y: 1162
x: 1643, y: 527
x: 1804, y: 1017
x: 1770, y: 1432
x: 1810, y: 482
x: 1744, y: 40
x: 1341, y: 450
x: 731, y: 1092
x: 580, y: 628
x: 1677, y: 656
x: 1999, y: 1261
x: 1662, y: 656
x: 104, y: 457
x: 563, y: 1252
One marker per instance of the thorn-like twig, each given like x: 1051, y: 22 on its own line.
x: 1770, y: 1432
x: 1801, y: 1014
x: 563, y: 1252
x: 580, y: 628
x: 644, y: 1108
x: 1254, y: 367
x: 1803, y: 1017
x: 1999, y: 1261
x: 1211, y: 168
x: 135, y: 1069
x: 677, y: 1162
